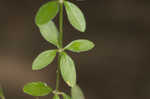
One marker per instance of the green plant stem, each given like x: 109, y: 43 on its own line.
x: 60, y: 43
x: 61, y: 25
x: 58, y: 74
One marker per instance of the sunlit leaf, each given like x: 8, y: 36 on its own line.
x: 68, y: 70
x: 49, y: 32
x: 43, y: 59
x: 77, y: 93
x: 37, y: 89
x: 75, y: 16
x: 80, y: 45
x: 47, y: 12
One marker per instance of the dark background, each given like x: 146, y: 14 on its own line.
x: 117, y: 68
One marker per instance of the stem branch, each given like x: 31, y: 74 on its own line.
x: 60, y: 39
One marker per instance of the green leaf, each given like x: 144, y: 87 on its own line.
x: 47, y: 12
x: 80, y: 45
x: 56, y: 97
x: 68, y: 70
x: 49, y: 32
x: 1, y: 93
x: 65, y: 96
x: 75, y: 16
x: 76, y: 92
x: 37, y: 89
x: 44, y: 59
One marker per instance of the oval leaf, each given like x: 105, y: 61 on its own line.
x: 76, y: 92
x: 80, y: 45
x: 47, y: 12
x: 65, y: 96
x: 68, y: 70
x: 75, y: 16
x: 37, y: 89
x: 56, y: 97
x: 49, y: 32
x: 43, y: 59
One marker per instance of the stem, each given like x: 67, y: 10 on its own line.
x: 61, y: 25
x: 58, y: 74
x: 60, y: 39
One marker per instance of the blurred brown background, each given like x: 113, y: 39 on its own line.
x: 118, y: 67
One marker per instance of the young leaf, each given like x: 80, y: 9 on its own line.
x: 37, y: 89
x: 65, y: 96
x: 56, y: 97
x: 47, y: 12
x: 80, y: 45
x: 44, y: 59
x: 49, y: 32
x: 76, y: 92
x: 68, y: 70
x: 75, y: 16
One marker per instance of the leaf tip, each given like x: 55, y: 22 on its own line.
x: 34, y: 67
x: 70, y: 84
x: 83, y: 29
x: 93, y: 45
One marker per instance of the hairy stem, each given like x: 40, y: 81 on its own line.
x: 60, y: 43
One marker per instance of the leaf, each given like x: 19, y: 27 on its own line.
x: 43, y: 59
x: 37, y: 89
x: 47, y: 12
x: 49, y: 32
x: 1, y: 93
x: 80, y: 45
x: 65, y: 96
x: 56, y: 97
x: 75, y: 16
x: 76, y: 92
x: 68, y: 70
